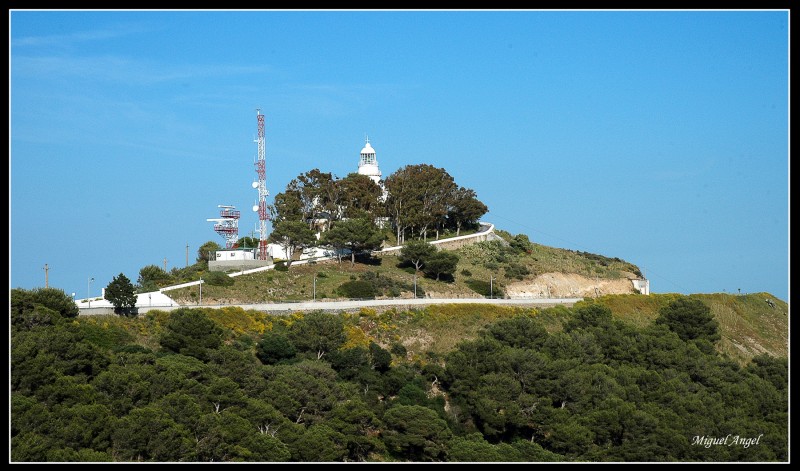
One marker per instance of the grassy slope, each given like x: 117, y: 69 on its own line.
x: 749, y: 325
x: 476, y: 262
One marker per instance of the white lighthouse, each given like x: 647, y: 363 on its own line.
x: 368, y: 164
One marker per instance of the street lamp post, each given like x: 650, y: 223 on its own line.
x: 415, y: 286
x: 315, y: 288
x: 150, y: 297
x: 491, y: 286
x: 201, y: 292
x: 88, y: 290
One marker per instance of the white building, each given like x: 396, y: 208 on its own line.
x: 368, y: 164
x: 235, y: 254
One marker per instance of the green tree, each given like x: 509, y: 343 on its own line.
x: 57, y: 300
x: 359, y: 196
x: 416, y: 433
x: 121, y: 293
x: 440, y: 263
x: 419, y: 197
x: 465, y: 208
x: 355, y: 234
x: 151, y: 277
x: 26, y: 313
x: 690, y: 319
x: 360, y: 428
x: 274, y: 347
x: 247, y: 242
x: 190, y: 332
x: 318, y: 332
x: 149, y: 434
x: 207, y: 251
x: 317, y: 194
x: 291, y: 236
x: 416, y: 252
x: 287, y: 207
x: 321, y: 443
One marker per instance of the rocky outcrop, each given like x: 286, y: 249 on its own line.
x: 568, y: 285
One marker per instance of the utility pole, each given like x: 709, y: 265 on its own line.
x: 201, y: 292
x: 46, y: 269
x: 491, y: 286
x: 415, y: 286
x: 315, y: 288
x: 88, y: 290
x: 165, y: 264
x: 187, y: 255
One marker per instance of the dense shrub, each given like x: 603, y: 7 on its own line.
x: 358, y: 289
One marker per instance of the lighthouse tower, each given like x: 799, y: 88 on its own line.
x: 368, y: 164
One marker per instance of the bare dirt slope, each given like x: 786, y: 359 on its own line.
x: 567, y: 285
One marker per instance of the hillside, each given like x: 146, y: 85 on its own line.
x: 514, y: 268
x: 597, y: 382
x: 748, y: 325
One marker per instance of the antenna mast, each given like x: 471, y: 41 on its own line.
x: 261, y: 170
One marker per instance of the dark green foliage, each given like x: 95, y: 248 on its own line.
x: 292, y: 236
x: 56, y: 300
x: 485, y: 288
x: 521, y: 243
x: 690, y: 319
x: 380, y: 359
x: 356, y: 235
x: 207, y: 251
x: 358, y: 289
x: 318, y: 332
x: 598, y: 390
x: 590, y: 315
x: 516, y: 270
x: 121, y: 293
x: 151, y: 277
x: 441, y: 263
x: 416, y: 253
x: 398, y: 349
x: 190, y: 332
x: 26, y: 313
x: 416, y: 433
x: 218, y: 278
x: 274, y: 347
x: 281, y: 266
x: 466, y: 273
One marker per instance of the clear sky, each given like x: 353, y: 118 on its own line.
x: 659, y: 137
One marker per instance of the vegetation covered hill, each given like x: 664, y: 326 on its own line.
x: 496, y: 264
x: 625, y: 378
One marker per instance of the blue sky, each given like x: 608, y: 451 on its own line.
x: 659, y: 137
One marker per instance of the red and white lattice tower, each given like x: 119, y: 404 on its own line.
x: 227, y: 225
x: 261, y: 186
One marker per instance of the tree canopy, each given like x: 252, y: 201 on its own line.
x: 121, y: 293
x: 229, y: 385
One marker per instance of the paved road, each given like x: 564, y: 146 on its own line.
x: 370, y: 303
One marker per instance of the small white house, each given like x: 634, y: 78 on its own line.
x: 235, y: 255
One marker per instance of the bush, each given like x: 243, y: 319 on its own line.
x: 217, y: 278
x: 357, y: 289
x: 516, y: 270
x: 466, y: 272
x: 281, y: 266
x: 398, y: 349
x: 57, y: 300
x: 274, y: 347
x: 482, y: 288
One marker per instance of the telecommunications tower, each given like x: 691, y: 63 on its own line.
x: 227, y: 225
x: 261, y: 186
